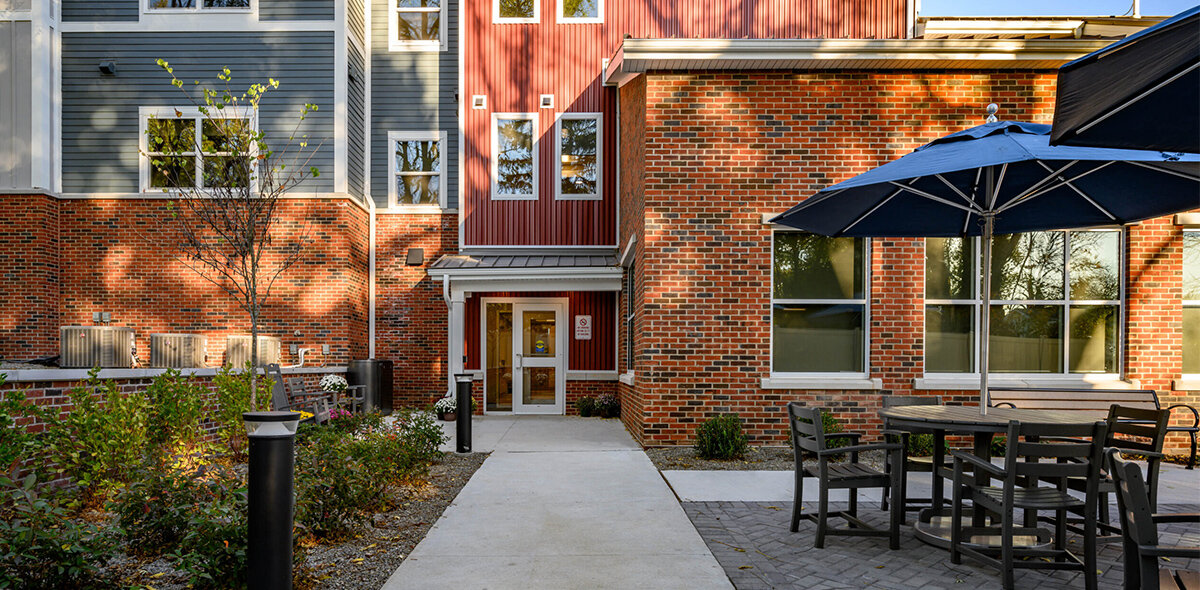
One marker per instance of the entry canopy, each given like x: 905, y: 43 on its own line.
x: 1142, y: 92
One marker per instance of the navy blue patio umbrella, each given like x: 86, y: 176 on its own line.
x: 1142, y: 92
x: 1001, y: 177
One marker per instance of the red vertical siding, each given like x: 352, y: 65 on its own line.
x: 513, y: 64
x: 597, y: 354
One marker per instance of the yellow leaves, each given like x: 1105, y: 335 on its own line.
x: 745, y: 567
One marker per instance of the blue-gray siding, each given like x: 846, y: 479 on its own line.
x: 100, y: 10
x: 354, y: 19
x: 412, y: 91
x: 16, y: 137
x: 355, y: 110
x: 100, y: 113
x: 295, y: 10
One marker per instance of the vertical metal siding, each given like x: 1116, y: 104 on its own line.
x: 597, y: 354
x: 513, y: 64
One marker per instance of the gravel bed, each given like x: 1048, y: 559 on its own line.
x: 758, y: 459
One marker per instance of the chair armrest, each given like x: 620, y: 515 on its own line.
x: 852, y: 435
x: 860, y: 448
x: 1161, y: 551
x: 963, y: 457
x: 1002, y: 404
x: 1176, y: 517
x: 1195, y: 414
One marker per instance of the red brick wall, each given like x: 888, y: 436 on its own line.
x: 721, y: 150
x: 632, y: 224
x: 411, y: 314
x: 29, y: 277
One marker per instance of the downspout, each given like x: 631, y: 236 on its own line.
x: 368, y: 24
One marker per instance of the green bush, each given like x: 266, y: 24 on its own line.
x: 831, y: 425
x: 608, y: 406
x: 586, y: 406
x: 721, y: 438
x: 174, y: 409
x: 356, y: 423
x: 19, y: 448
x: 233, y: 399
x: 41, y: 548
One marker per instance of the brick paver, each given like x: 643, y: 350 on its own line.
x: 752, y: 542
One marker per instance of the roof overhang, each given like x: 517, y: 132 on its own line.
x: 1032, y: 27
x: 638, y: 56
x: 465, y: 274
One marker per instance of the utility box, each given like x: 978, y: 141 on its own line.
x: 237, y: 350
x: 85, y: 347
x: 377, y: 376
x: 177, y: 351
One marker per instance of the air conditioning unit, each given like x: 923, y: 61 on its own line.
x: 237, y: 350
x: 84, y: 347
x: 177, y: 350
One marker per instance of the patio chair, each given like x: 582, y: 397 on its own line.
x: 808, y: 435
x: 912, y: 464
x: 1140, y: 526
x: 289, y: 393
x: 1071, y: 458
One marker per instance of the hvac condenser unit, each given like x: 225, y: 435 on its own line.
x: 84, y: 347
x: 237, y: 350
x: 177, y: 350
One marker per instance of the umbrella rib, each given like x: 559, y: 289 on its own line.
x: 1037, y: 185
x: 973, y: 209
x: 955, y: 189
x: 1151, y: 166
x: 1038, y: 189
x: 873, y: 210
x: 1082, y: 194
x: 996, y: 190
x: 1101, y: 119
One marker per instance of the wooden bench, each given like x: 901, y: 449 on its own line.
x: 1094, y: 402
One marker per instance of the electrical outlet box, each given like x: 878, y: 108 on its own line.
x: 324, y: 349
x: 295, y: 349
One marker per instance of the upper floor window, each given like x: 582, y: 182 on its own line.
x: 195, y: 5
x: 818, y: 304
x: 418, y: 170
x: 1055, y: 303
x: 516, y: 11
x: 181, y: 148
x: 417, y: 25
x: 580, y: 11
x: 1191, y: 302
x: 578, y: 156
x: 514, y: 162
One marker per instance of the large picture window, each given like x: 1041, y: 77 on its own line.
x: 417, y: 25
x: 181, y: 148
x: 1055, y: 303
x: 417, y: 169
x: 577, y: 158
x: 1191, y: 302
x: 514, y: 156
x: 516, y: 11
x: 818, y: 304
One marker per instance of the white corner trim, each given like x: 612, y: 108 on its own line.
x: 628, y: 252
x: 1186, y: 383
x: 592, y: 375
x: 969, y: 382
x: 626, y: 377
x: 846, y: 383
x: 341, y: 93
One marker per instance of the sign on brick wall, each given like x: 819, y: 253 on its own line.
x: 583, y: 327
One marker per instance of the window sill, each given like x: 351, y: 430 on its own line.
x: 1187, y: 383
x: 417, y: 47
x: 971, y: 382
x: 626, y: 378
x: 846, y: 383
x: 416, y: 210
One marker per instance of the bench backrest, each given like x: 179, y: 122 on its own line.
x: 1092, y: 401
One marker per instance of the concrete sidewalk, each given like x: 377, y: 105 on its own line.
x: 562, y: 502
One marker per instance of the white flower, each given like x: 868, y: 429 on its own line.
x: 333, y: 383
x: 445, y: 405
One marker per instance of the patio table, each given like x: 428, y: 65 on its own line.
x: 939, y: 420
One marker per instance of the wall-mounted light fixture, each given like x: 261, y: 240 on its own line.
x: 108, y: 68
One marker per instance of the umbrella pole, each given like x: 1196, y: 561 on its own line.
x: 985, y: 314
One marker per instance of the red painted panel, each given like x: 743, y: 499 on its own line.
x: 513, y: 64
x: 597, y: 354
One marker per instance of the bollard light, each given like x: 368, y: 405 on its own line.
x: 270, y: 498
x: 462, y: 423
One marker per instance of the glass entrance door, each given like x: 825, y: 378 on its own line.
x: 539, y: 379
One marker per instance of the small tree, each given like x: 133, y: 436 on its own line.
x: 227, y: 183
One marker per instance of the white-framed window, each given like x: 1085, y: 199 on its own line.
x: 818, y: 305
x: 578, y: 153
x: 1055, y: 304
x: 198, y: 5
x: 182, y: 148
x: 580, y: 11
x: 516, y: 11
x: 630, y: 286
x: 417, y: 169
x: 1191, y: 302
x: 514, y: 166
x: 417, y: 25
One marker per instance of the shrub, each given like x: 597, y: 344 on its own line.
x: 233, y: 399
x: 19, y: 448
x: 721, y: 438
x: 174, y: 409
x: 831, y: 425
x: 41, y: 548
x: 586, y: 405
x: 608, y: 406
x: 355, y: 423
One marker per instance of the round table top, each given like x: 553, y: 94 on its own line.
x: 968, y: 418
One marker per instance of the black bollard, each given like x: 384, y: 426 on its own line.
x: 463, y: 421
x: 270, y: 498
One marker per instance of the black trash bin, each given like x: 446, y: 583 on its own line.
x: 376, y: 375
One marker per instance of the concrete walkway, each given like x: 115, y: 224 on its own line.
x: 564, y: 503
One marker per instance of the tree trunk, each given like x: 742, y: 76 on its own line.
x: 253, y: 354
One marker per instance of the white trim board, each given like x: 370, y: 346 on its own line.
x: 199, y: 23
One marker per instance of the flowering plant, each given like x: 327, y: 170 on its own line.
x: 333, y: 383
x: 339, y: 414
x: 446, y: 405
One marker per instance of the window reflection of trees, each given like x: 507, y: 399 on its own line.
x: 579, y: 172
x: 580, y: 8
x: 809, y: 266
x: 514, y: 162
x: 419, y: 170
x: 516, y: 9
x: 422, y: 21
